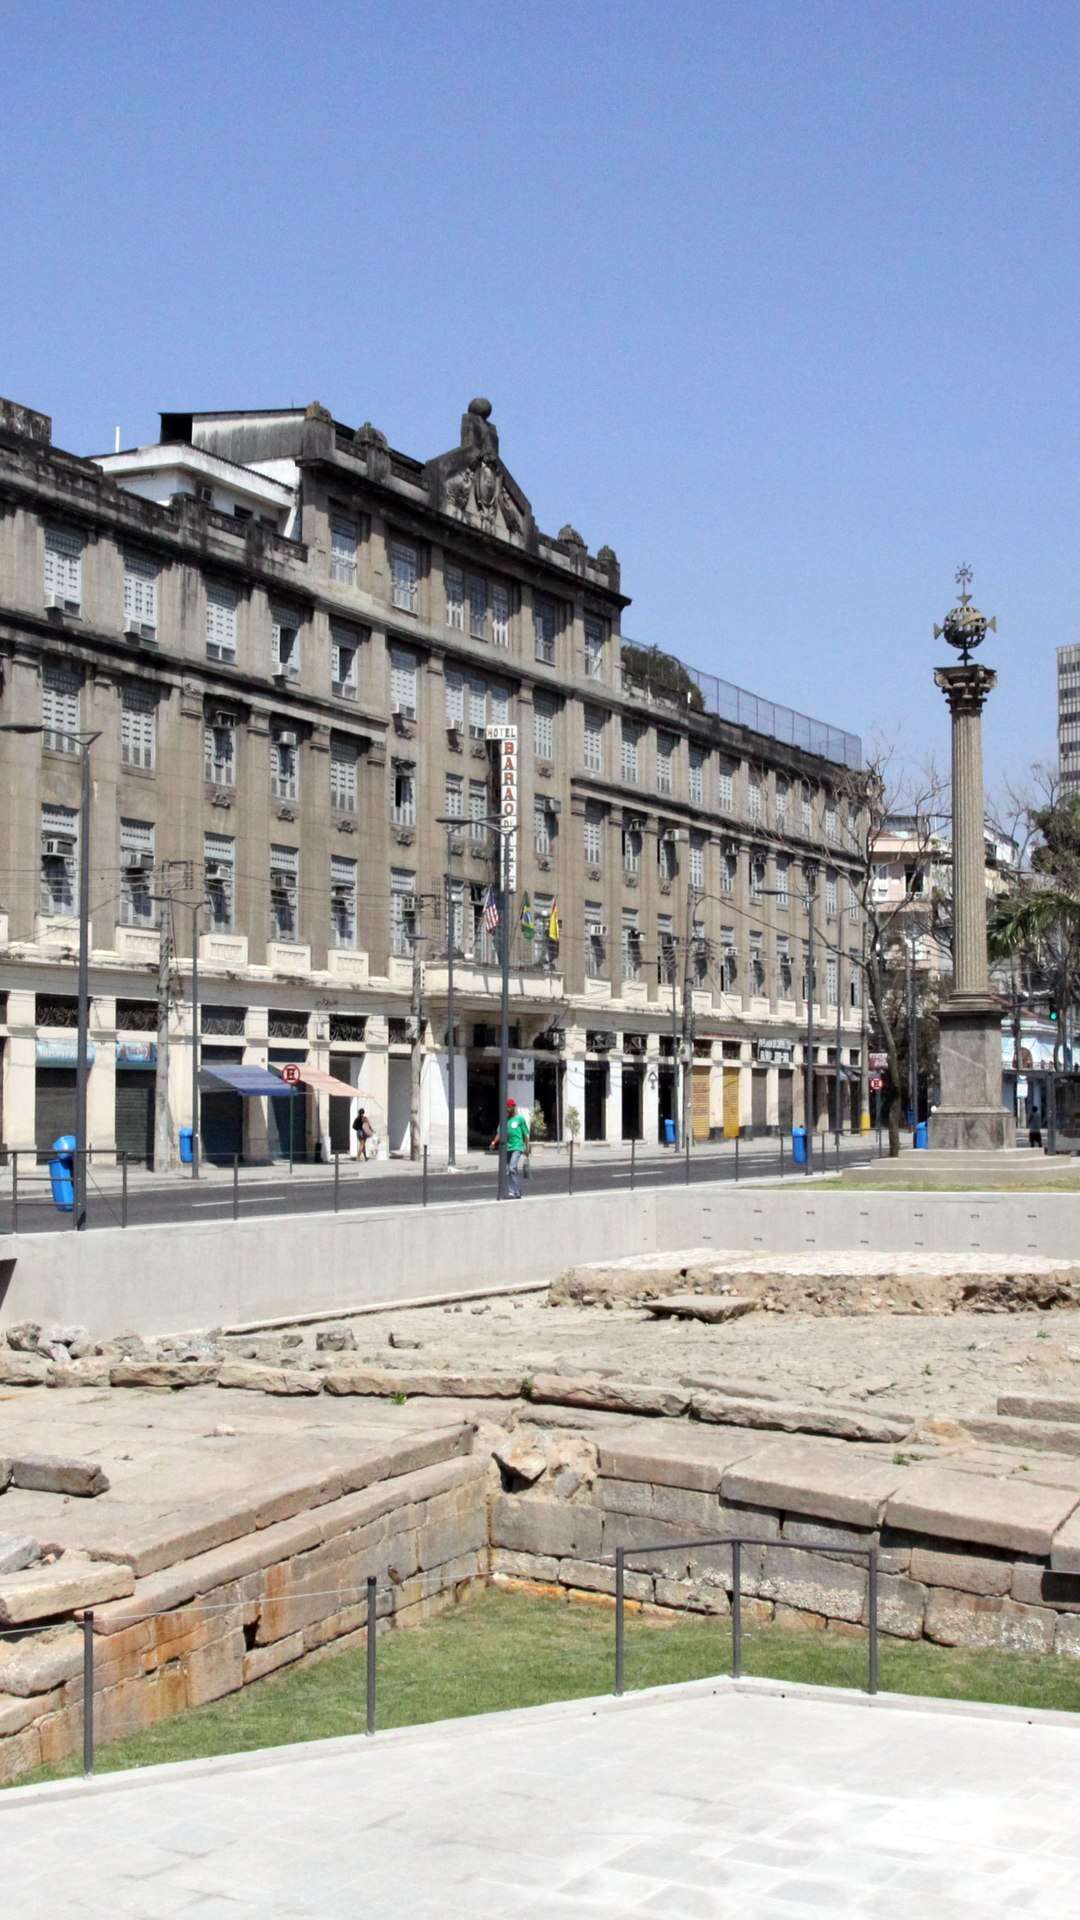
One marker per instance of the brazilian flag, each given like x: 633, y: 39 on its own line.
x: 527, y: 925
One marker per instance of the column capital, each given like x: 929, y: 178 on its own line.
x: 965, y: 687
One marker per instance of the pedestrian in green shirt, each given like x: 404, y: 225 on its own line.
x: 516, y: 1135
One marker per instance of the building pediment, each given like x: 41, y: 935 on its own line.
x: 472, y: 484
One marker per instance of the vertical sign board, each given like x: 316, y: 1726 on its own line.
x: 507, y: 740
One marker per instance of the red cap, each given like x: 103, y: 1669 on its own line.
x: 510, y: 1105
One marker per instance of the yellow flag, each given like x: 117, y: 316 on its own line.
x: 553, y: 922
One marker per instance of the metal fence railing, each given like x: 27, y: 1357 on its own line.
x: 122, y: 1191
x: 736, y: 1544
x: 662, y: 680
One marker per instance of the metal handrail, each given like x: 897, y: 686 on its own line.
x: 737, y: 1542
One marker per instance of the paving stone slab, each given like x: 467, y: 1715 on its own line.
x: 252, y: 1378
x: 990, y: 1512
x: 1040, y: 1406
x: 387, y: 1382
x: 40, y: 1593
x: 828, y: 1481
x: 163, y: 1373
x: 675, y: 1456
x: 782, y: 1416
x: 548, y: 1527
x: 54, y: 1473
x: 615, y: 1396
x: 1065, y: 1550
x: 713, y: 1308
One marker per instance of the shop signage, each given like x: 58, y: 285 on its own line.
x: 879, y: 1063
x: 506, y: 739
x: 62, y: 1053
x: 775, y: 1053
x: 136, y: 1053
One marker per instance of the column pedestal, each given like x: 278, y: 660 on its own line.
x: 971, y: 1117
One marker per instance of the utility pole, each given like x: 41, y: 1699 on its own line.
x: 838, y: 1077
x: 687, y: 1023
x: 416, y: 1050
x: 913, y: 1033
x: 811, y: 987
x: 163, y: 1132
x: 864, y: 1042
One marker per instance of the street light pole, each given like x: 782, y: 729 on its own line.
x: 196, y: 909
x: 810, y: 872
x: 504, y: 1023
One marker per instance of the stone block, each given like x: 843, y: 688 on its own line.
x: 683, y: 1505
x: 445, y: 1540
x: 20, y: 1710
x: 410, y: 1454
x: 967, y: 1506
x: 1065, y: 1549
x: 550, y: 1527
x: 1039, y: 1586
x: 134, y: 1704
x: 901, y: 1606
x: 163, y: 1373
x: 17, y: 1550
x: 92, y: 1370
x: 41, y: 1661
x: 296, y: 1493
x: 820, y: 1533
x: 53, y: 1473
x: 40, y: 1593
x: 524, y: 1566
x: 23, y: 1369
x: 217, y: 1669
x: 1067, y: 1635
x: 613, y: 1396
x: 712, y: 1308
x: 592, y: 1577
x: 826, y: 1480
x: 181, y: 1535
x: 248, y: 1377
x: 19, y: 1755
x: 815, y: 1582
x: 682, y: 1456
x: 263, y: 1660
x: 786, y: 1417
x: 343, y: 1625
x: 968, y: 1620
x: 795, y: 1620
x: 1038, y: 1436
x: 385, y: 1382
x: 60, y: 1734
x: 519, y: 1461
x: 691, y: 1597
x: 1040, y: 1406
x: 965, y: 1572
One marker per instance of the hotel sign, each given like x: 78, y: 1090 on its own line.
x: 506, y: 739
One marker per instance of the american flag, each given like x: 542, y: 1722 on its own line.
x: 491, y: 910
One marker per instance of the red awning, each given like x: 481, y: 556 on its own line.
x: 327, y: 1083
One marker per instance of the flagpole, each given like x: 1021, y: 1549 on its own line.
x: 504, y: 1027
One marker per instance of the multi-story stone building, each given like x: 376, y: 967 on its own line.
x: 1068, y: 717
x: 290, y: 642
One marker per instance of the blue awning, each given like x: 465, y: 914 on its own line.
x: 253, y: 1083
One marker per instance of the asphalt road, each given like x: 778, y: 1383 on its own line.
x: 306, y: 1193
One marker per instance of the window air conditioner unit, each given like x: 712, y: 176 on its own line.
x: 205, y: 493
x: 341, y: 890
x: 138, y: 862
x: 598, y: 931
x: 216, y: 870
x: 286, y: 738
x: 453, y: 734
x: 55, y: 603
x: 220, y: 718
x: 55, y: 848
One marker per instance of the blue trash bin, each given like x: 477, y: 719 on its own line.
x: 798, y: 1146
x: 669, y: 1133
x: 62, y: 1172
x: 186, y: 1135
x: 922, y: 1134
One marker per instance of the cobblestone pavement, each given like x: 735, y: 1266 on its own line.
x: 687, y: 1803
x: 932, y: 1363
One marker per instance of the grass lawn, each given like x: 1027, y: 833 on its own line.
x: 512, y: 1650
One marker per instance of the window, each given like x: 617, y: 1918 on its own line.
x: 699, y: 954
x: 284, y: 889
x: 455, y: 699
x: 697, y: 861
x: 545, y: 827
x: 631, y: 751
x: 478, y: 811
x: 631, y: 945
x: 456, y: 930
x: 140, y: 592
x: 729, y: 872
x: 697, y: 777
x: 500, y: 615
x: 477, y: 709
x: 757, y: 964
x: 729, y: 964
x: 285, y: 647
x: 344, y: 760
x: 543, y: 727
x: 219, y: 855
x: 454, y: 583
x: 807, y: 804
x: 753, y: 795
x: 784, y: 972
x: 344, y: 661
x: 545, y: 950
x: 137, y: 873
x: 595, y: 957
x: 665, y: 957
x: 344, y: 540
x: 757, y: 876
x: 284, y: 763
x: 855, y: 978
x: 545, y: 623
x: 219, y: 755
x: 852, y: 899
x: 594, y: 834
x: 402, y: 910
x: 725, y: 786
x: 665, y: 750
x: 63, y: 569
x: 594, y: 740
x: 404, y: 808
x: 499, y: 704
x: 403, y: 575
x: 667, y: 856
x: 832, y: 821
x: 59, y: 859
x: 455, y: 796
x: 403, y: 682
x: 830, y: 890
x: 832, y: 979
x: 595, y: 643
x: 342, y: 901
x: 782, y: 791
x: 60, y: 706
x: 783, y: 868
x: 138, y: 726
x: 631, y: 849
x: 221, y: 604
x: 476, y: 587
x: 481, y: 936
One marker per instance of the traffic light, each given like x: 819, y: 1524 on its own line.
x: 1052, y: 1010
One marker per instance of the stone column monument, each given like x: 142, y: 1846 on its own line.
x: 970, y: 1116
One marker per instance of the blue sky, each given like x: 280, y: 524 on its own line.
x: 778, y: 299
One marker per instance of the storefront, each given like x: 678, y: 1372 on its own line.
x: 136, y: 1079
x: 54, y: 1089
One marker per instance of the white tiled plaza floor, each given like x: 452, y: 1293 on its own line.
x: 693, y: 1804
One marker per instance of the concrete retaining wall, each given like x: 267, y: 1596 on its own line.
x: 177, y: 1276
